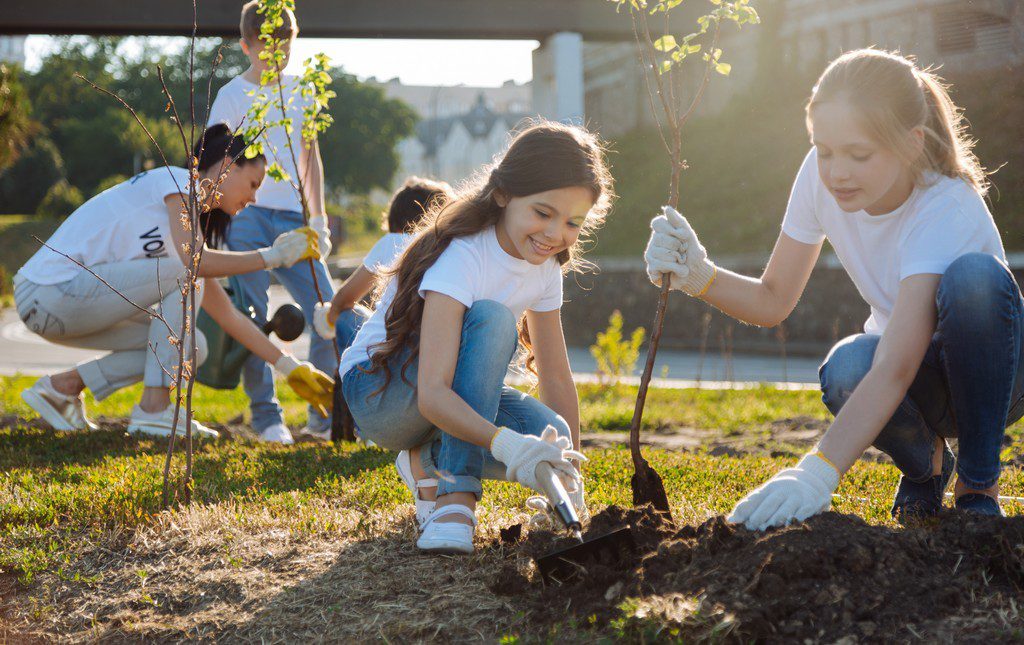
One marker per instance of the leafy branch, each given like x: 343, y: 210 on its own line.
x: 270, y: 100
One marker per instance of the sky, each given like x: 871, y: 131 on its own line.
x: 484, y: 63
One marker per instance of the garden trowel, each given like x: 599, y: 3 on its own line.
x: 567, y: 564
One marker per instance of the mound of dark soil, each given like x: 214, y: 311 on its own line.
x: 832, y: 577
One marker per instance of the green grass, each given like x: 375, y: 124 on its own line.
x: 59, y: 491
x: 730, y: 411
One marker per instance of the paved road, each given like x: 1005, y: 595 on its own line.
x: 23, y: 352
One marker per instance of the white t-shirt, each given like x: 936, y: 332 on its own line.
x: 472, y: 268
x: 231, y: 105
x: 386, y: 251
x: 128, y: 221
x: 937, y: 224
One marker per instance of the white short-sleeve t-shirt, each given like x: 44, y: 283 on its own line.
x: 472, y: 268
x: 231, y: 105
x: 128, y: 221
x: 938, y: 223
x: 386, y: 251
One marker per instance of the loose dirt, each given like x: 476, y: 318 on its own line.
x: 832, y: 578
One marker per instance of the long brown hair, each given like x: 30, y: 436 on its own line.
x: 893, y: 96
x: 545, y: 156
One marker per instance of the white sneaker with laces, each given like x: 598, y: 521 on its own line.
x: 424, y: 507
x: 60, y: 411
x: 277, y: 433
x: 159, y: 424
x: 448, y: 537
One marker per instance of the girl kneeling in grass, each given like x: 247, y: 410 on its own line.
x: 425, y: 374
x: 131, y: 237
x: 892, y: 183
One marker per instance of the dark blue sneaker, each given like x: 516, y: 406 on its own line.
x: 979, y: 504
x: 916, y: 501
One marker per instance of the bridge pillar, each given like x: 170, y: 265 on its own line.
x: 558, y: 78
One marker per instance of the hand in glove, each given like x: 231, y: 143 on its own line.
x: 545, y: 516
x: 522, y: 452
x: 674, y: 249
x: 793, y: 495
x: 319, y: 224
x: 321, y: 324
x: 291, y: 247
x: 308, y: 382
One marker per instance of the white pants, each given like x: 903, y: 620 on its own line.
x: 84, y: 312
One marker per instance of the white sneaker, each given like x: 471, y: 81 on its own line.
x: 60, y: 411
x: 423, y: 507
x: 448, y: 537
x: 159, y: 424
x: 277, y: 433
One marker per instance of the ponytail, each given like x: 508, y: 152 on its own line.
x: 948, y: 147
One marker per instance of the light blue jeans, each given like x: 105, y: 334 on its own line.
x: 970, y: 384
x: 347, y: 326
x: 391, y: 418
x: 254, y: 228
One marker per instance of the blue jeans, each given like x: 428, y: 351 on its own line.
x: 392, y: 419
x: 347, y: 326
x: 970, y: 384
x: 254, y: 228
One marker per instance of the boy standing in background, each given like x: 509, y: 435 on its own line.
x: 278, y: 208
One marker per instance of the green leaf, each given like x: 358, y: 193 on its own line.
x: 665, y: 43
x: 723, y: 68
x: 666, y: 65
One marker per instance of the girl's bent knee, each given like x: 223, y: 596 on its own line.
x: 844, y: 369
x: 491, y: 315
x: 976, y: 284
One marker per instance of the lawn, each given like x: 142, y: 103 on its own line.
x: 316, y: 541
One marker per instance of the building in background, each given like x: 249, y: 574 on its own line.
x: 460, y: 129
x: 12, y: 49
x: 957, y: 35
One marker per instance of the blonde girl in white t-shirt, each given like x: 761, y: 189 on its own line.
x: 892, y: 184
x: 425, y: 374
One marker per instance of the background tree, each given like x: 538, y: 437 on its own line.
x: 15, y: 125
x: 83, y: 139
x: 359, y: 150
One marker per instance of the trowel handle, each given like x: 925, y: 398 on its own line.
x: 557, y: 496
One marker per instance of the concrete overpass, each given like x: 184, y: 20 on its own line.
x: 561, y: 26
x: 507, y: 19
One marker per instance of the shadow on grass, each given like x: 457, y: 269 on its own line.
x: 384, y: 588
x: 235, y: 470
x: 29, y: 444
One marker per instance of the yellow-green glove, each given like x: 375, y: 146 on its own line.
x: 312, y: 251
x: 315, y: 387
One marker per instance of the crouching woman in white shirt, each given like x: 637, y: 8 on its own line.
x: 125, y: 236
x: 892, y: 184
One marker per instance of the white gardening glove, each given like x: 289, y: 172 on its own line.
x: 291, y: 247
x: 674, y: 249
x: 545, y: 516
x: 521, y: 453
x: 793, y: 495
x: 319, y: 224
x: 320, y: 323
